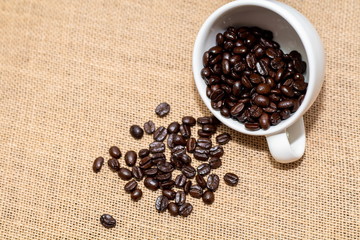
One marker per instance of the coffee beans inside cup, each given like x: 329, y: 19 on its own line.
x: 193, y: 158
x: 251, y: 80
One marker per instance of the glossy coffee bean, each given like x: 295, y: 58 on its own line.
x: 173, y: 127
x: 115, y: 152
x: 196, y: 191
x: 114, y: 164
x: 223, y: 138
x: 187, y: 186
x: 161, y: 203
x: 201, y: 154
x: 125, y: 174
x: 173, y: 209
x: 98, y: 163
x: 170, y: 194
x: 180, y: 180
x: 185, y: 130
x: 189, y: 120
x: 200, y: 181
x: 136, y: 195
x: 208, y: 197
x: 180, y: 198
x: 264, y: 121
x: 252, y: 126
x: 188, y: 171
x: 130, y: 158
x: 162, y: 109
x: 231, y: 179
x: 137, y: 173
x: 151, y: 183
x: 215, y: 162
x: 160, y: 134
x: 216, y: 151
x: 107, y: 221
x: 136, y: 131
x: 157, y: 147
x: 130, y: 186
x: 185, y: 209
x: 213, y: 182
x: 204, y: 143
x: 143, y: 153
x: 149, y: 127
x: 203, y: 169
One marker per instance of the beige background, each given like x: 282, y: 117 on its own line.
x: 74, y: 75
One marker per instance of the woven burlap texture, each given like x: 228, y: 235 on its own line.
x: 76, y: 74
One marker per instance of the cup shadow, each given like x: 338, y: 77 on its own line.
x: 310, y: 119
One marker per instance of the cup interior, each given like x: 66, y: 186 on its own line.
x: 246, y: 15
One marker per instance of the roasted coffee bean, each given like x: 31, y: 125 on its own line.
x: 136, y: 131
x: 191, y: 145
x: 215, y: 50
x: 151, y: 183
x: 157, y: 158
x: 196, y: 191
x: 213, y: 182
x: 130, y: 158
x: 136, y: 195
x: 208, y: 197
x: 289, y: 103
x: 215, y: 59
x: 252, y: 126
x: 256, y: 78
x: 143, y: 153
x: 170, y: 194
x: 157, y: 147
x: 204, y: 143
x: 185, y: 209
x: 202, y: 133
x: 296, y: 105
x: 246, y: 83
x: 161, y: 203
x: 167, y: 184
x: 203, y: 169
x: 275, y: 119
x: 145, y: 162
x: 162, y: 109
x: 173, y: 209
x: 115, y: 152
x: 149, y: 127
x: 179, y: 140
x: 180, y: 180
x: 178, y: 152
x: 187, y: 186
x: 206, y: 57
x: 185, y: 159
x: 160, y: 134
x: 150, y: 171
x: 165, y: 167
x: 225, y: 64
x: 237, y: 109
x: 114, y: 164
x: 223, y: 138
x: 188, y: 171
x: 201, y: 154
x: 180, y: 198
x: 125, y: 174
x: 225, y: 112
x: 107, y: 221
x: 264, y: 121
x: 98, y: 164
x: 262, y: 101
x: 200, y: 180
x: 285, y: 114
x: 262, y: 68
x: 215, y: 162
x: 163, y: 176
x: 204, y: 120
x: 137, y: 173
x: 219, y: 39
x: 287, y: 91
x: 209, y: 128
x: 216, y: 151
x: 231, y: 179
x: 185, y: 130
x: 189, y: 120
x: 251, y: 60
x: 170, y: 140
x: 130, y: 186
x: 263, y: 89
x: 173, y: 127
x: 255, y: 111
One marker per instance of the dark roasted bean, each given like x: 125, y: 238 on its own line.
x: 107, y: 221
x: 130, y: 186
x: 115, y: 152
x: 163, y: 176
x: 202, y: 133
x: 149, y: 127
x: 136, y: 131
x: 161, y: 203
x: 256, y: 78
x: 185, y: 159
x: 165, y: 167
x: 170, y: 194
x: 225, y: 64
x: 208, y: 197
x: 237, y: 109
x: 157, y: 147
x: 206, y: 57
x: 204, y: 120
x: 201, y: 154
x: 215, y: 50
x: 251, y: 60
x: 262, y: 101
x: 223, y: 138
x: 98, y: 164
x: 173, y: 127
x: 179, y: 140
x: 162, y: 109
x: 286, y: 104
x: 143, y: 153
x: 255, y: 111
x: 180, y: 181
x: 185, y: 209
x: 216, y: 151
x: 191, y: 145
x: 187, y: 186
x: 285, y: 114
x: 170, y: 140
x: 287, y: 91
x: 215, y: 162
x: 263, y: 89
x: 173, y: 209
x: 151, y: 183
x: 130, y: 158
x: 151, y: 171
x: 219, y: 39
x: 125, y: 174
x: 167, y: 184
x: 209, y: 128
x: 203, y: 169
x: 204, y: 143
x: 160, y: 134
x: 185, y: 130
x: 213, y: 182
x: 188, y: 171
x: 189, y: 120
x: 137, y: 173
x: 196, y: 191
x: 200, y: 180
x: 252, y: 126
x: 231, y: 179
x: 180, y: 198
x: 136, y: 195
x: 264, y: 121
x: 157, y: 158
x: 275, y: 119
x: 114, y: 164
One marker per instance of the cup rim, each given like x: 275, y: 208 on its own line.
x: 294, y: 21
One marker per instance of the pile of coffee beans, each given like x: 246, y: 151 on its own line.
x: 177, y: 176
x: 250, y: 79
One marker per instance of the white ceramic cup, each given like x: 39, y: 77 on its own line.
x: 292, y: 31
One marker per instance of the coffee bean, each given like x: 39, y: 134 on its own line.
x: 145, y: 162
x: 162, y: 109
x: 200, y: 180
x: 231, y: 179
x: 237, y: 109
x: 215, y: 50
x: 206, y: 57
x: 130, y: 158
x: 202, y: 133
x: 170, y: 194
x: 179, y: 140
x: 107, y: 221
x: 287, y: 91
x: 209, y: 128
x: 185, y: 209
x: 204, y: 143
x: 187, y: 186
x: 157, y: 147
x: 255, y: 111
x: 163, y: 176
x: 219, y: 39
x: 151, y: 183
x: 143, y: 153
x: 136, y: 131
x: 136, y: 195
x: 191, y: 145
x: 165, y: 167
x: 213, y: 182
x: 98, y: 164
x: 215, y: 162
x: 161, y: 203
x: 201, y: 154
x: 223, y: 138
x: 130, y: 186
x: 173, y: 209
x: 149, y: 127
x: 170, y: 140
x: 286, y: 104
x: 285, y: 114
x: 252, y: 126
x: 178, y: 152
x: 264, y: 121
x: 115, y: 152
x: 216, y: 151
x: 114, y: 164
x: 137, y: 173
x: 157, y: 158
x: 275, y: 119
x: 125, y: 174
x: 167, y: 184
x: 262, y: 101
x: 196, y: 191
x: 180, y: 181
x: 205, y: 72
x: 185, y: 130
x: 160, y: 134
x: 208, y: 197
x: 188, y: 171
x: 185, y: 159
x: 251, y: 60
x: 150, y: 172
x: 189, y: 120
x: 173, y: 127
x: 203, y: 169
x: 180, y: 198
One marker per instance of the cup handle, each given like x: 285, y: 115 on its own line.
x: 288, y: 145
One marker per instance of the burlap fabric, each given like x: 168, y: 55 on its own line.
x: 74, y: 75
